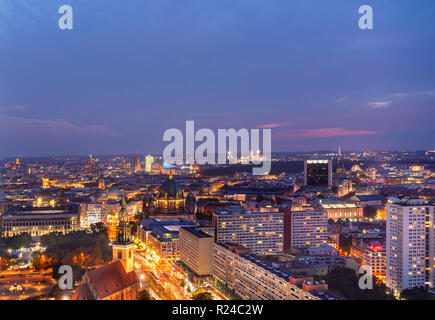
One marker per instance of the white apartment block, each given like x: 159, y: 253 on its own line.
x: 410, y: 245
x: 308, y: 228
x: 261, y: 232
x: 251, y: 278
x: 196, y: 249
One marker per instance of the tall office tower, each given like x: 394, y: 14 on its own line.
x: 262, y: 232
x: 318, y: 173
x: 410, y: 245
x: 305, y: 229
x: 339, y: 155
x: 91, y: 162
x: 149, y: 159
x: 137, y: 166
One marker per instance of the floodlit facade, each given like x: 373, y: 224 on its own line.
x: 148, y: 163
x: 38, y: 221
x: 350, y: 211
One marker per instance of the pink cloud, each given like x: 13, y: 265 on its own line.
x: 322, y: 133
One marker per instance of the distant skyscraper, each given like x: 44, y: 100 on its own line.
x: 410, y: 245
x: 339, y: 154
x: 137, y: 166
x: 148, y: 163
x: 91, y: 162
x: 318, y: 173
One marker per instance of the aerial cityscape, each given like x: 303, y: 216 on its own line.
x: 205, y: 232
x: 103, y: 197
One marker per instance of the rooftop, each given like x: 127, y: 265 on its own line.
x: 196, y: 232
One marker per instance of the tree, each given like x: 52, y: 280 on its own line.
x: 344, y: 282
x: 417, y: 293
x: 22, y: 240
x: 79, y: 247
x: 202, y: 295
x: 370, y: 212
x: 144, y: 295
x: 98, y: 227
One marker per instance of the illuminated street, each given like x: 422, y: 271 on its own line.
x: 164, y: 280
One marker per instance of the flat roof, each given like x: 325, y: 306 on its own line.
x: 196, y: 232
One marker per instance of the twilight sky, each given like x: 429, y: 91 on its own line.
x: 131, y: 69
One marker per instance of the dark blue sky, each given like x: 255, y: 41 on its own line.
x: 131, y: 69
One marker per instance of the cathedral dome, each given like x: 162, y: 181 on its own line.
x: 115, y: 193
x: 170, y: 190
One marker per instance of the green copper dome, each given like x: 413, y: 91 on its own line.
x: 170, y: 190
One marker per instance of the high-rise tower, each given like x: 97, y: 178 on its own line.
x: 318, y: 173
x: 148, y: 163
x: 410, y: 245
x: 137, y: 166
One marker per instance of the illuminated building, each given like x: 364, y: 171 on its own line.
x: 170, y: 197
x: 339, y: 210
x: 196, y: 248
x: 45, y: 183
x: 318, y: 173
x: 371, y: 254
x: 305, y: 229
x: 90, y: 163
x: 252, y: 278
x: 45, y: 199
x: 123, y: 246
x: 115, y: 194
x: 111, y: 221
x: 162, y: 235
x: 137, y: 166
x: 261, y: 232
x: 101, y: 183
x: 94, y: 215
x: 148, y: 163
x: 410, y: 244
x: 38, y: 221
x: 344, y: 188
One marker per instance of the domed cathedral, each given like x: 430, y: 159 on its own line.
x: 170, y: 197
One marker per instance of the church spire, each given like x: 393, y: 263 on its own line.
x: 123, y: 229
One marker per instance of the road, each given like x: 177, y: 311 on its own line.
x: 166, y: 285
